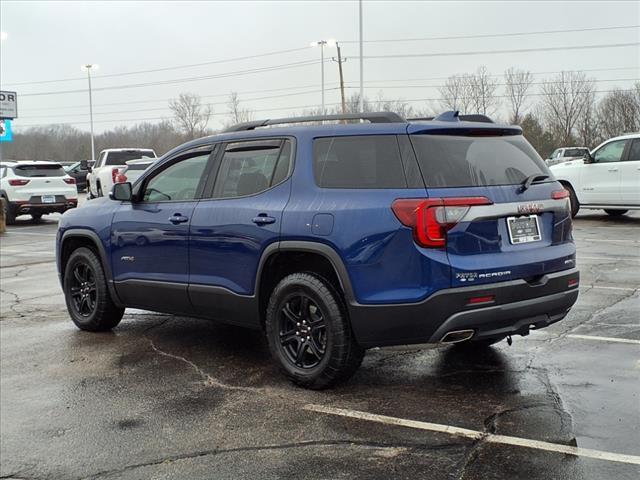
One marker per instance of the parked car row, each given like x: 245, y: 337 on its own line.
x: 565, y: 154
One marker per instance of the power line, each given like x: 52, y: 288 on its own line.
x: 236, y: 73
x: 296, y: 107
x: 495, y: 35
x: 494, y: 52
x: 164, y: 100
x: 292, y: 50
x: 302, y: 93
x: 163, y: 69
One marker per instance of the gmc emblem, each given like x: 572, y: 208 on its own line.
x: 530, y: 208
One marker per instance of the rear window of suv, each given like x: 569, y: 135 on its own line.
x: 371, y: 161
x: 466, y: 161
x: 120, y: 158
x: 39, y: 171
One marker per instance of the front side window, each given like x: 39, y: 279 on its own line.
x: 178, y: 182
x: 248, y: 168
x: 611, y: 152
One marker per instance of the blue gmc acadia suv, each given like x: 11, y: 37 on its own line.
x: 333, y: 238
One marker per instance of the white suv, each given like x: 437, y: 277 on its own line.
x: 607, y: 178
x: 35, y: 188
x: 109, y: 165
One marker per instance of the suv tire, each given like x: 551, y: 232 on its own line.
x: 615, y: 213
x: 309, y: 333
x: 9, y: 214
x: 573, y: 200
x: 87, y: 295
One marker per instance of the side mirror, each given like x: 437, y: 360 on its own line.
x: 84, y: 165
x: 588, y: 158
x: 121, y: 192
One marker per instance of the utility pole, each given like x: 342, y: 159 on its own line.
x: 88, y: 68
x: 361, y: 61
x: 340, y: 62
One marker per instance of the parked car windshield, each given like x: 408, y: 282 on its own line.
x: 120, y: 158
x: 575, y: 152
x: 53, y: 170
x: 464, y: 161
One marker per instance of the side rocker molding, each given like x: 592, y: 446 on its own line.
x: 104, y: 259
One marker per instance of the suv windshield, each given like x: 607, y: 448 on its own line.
x: 39, y: 171
x: 465, y: 161
x: 120, y: 158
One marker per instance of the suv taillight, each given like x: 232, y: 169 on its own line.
x: 18, y: 182
x: 70, y: 180
x: 114, y: 174
x: 431, y: 218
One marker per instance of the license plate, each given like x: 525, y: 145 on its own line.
x: 524, y: 229
x: 48, y: 199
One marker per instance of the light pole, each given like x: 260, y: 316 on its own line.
x: 361, y: 60
x: 88, y: 67
x: 322, y: 44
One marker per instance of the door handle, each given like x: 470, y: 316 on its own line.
x: 612, y: 170
x: 263, y: 219
x: 178, y: 218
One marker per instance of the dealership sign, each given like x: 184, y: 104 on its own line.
x: 8, y: 104
x: 6, y: 135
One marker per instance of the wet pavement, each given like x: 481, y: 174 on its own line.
x: 171, y: 397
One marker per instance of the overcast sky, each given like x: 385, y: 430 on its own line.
x: 50, y: 40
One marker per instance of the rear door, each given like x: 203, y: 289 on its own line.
x: 150, y: 237
x: 505, y: 232
x: 230, y: 228
x: 630, y: 173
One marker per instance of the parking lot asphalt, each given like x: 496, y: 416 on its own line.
x: 171, y: 397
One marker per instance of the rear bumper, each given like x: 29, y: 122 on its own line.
x: 516, y: 306
x: 26, y: 207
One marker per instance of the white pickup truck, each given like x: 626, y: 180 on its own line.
x: 110, y: 163
x: 607, y: 178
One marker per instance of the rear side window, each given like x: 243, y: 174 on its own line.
x: 120, y: 158
x: 371, y: 161
x: 39, y: 171
x: 467, y: 161
x: 251, y: 167
x: 634, y: 152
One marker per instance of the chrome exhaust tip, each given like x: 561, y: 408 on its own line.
x: 457, y: 336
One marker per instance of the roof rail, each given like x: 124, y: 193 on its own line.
x: 454, y: 116
x: 373, y: 117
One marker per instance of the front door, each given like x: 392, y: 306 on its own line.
x: 150, y: 248
x: 231, y: 229
x: 600, y: 181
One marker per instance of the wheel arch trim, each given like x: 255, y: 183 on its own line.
x: 104, y: 258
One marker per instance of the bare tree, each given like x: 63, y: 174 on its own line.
x: 455, y: 93
x: 619, y: 111
x: 482, y: 92
x: 400, y: 107
x: 236, y: 113
x: 563, y: 101
x: 190, y: 115
x: 517, y: 85
x: 589, y: 132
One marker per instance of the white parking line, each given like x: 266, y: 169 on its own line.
x: 603, y: 339
x: 477, y: 435
x: 614, y: 259
x: 600, y: 240
x: 30, y: 233
x: 605, y: 287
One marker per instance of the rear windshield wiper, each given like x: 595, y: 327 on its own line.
x: 531, y: 179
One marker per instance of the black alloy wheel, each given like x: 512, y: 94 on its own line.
x: 83, y: 289
x: 303, y: 332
